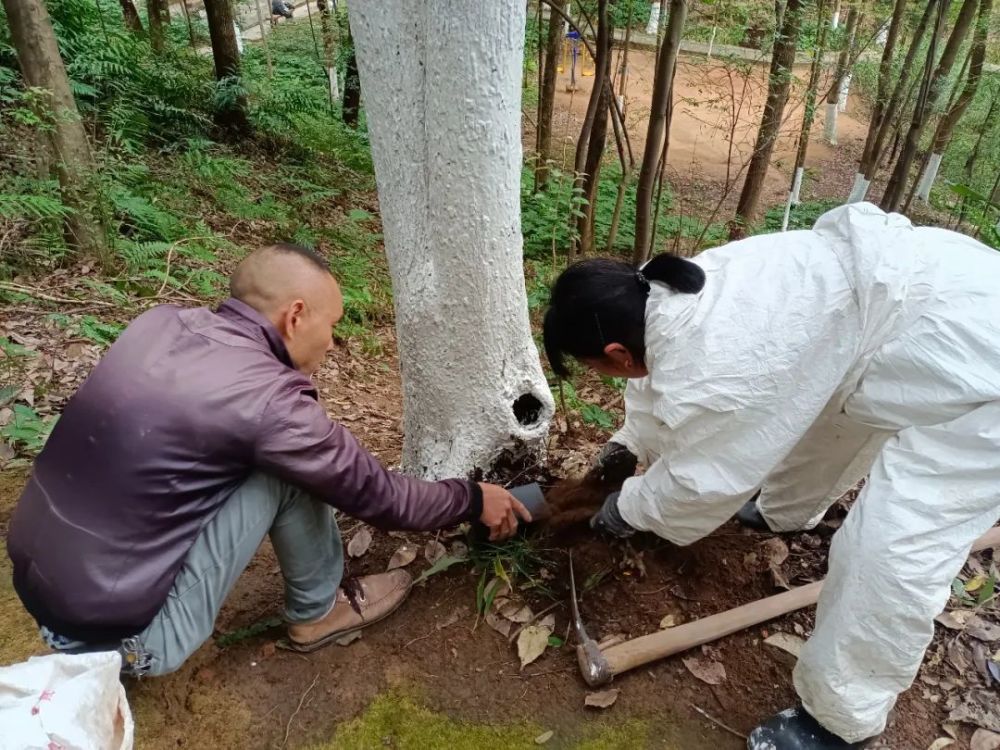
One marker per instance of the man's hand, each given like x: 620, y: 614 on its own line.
x: 609, y: 520
x: 500, y: 511
x: 614, y: 464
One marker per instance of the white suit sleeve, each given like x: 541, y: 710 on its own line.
x: 735, y: 388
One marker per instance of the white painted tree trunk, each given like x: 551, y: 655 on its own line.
x: 331, y: 74
x: 928, y: 177
x: 569, y: 7
x: 860, y: 188
x: 830, y: 124
x: 442, y: 86
x: 845, y: 91
x: 654, y: 19
x: 793, y: 198
x: 239, y: 37
x: 711, y: 43
x: 835, y: 20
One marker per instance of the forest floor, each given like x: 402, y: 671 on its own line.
x: 435, y: 675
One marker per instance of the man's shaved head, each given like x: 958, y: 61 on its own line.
x: 293, y: 288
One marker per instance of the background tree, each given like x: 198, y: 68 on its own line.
x: 947, y: 124
x: 448, y: 170
x: 63, y: 135
x: 929, y: 94
x: 655, y: 149
x: 158, y: 13
x: 779, y: 85
x: 547, y: 94
x: 131, y: 17
x: 231, y: 107
x: 842, y: 71
x: 351, y: 105
x: 327, y: 25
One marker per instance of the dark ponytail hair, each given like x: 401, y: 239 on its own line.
x: 601, y: 301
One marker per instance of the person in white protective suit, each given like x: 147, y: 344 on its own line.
x: 793, y: 365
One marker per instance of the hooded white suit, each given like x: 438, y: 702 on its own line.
x: 810, y: 359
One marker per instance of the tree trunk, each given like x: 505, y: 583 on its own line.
x: 653, y: 153
x: 594, y: 105
x: 590, y: 173
x: 547, y: 95
x: 351, y: 107
x: 930, y: 93
x: 779, y: 84
x: 985, y: 128
x: 329, y: 48
x: 946, y: 126
x: 131, y: 17
x: 843, y: 67
x: 448, y: 169
x: 878, y: 132
x: 64, y: 136
x: 808, y: 114
x: 231, y: 114
x: 158, y: 12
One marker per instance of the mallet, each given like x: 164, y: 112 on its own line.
x: 599, y: 667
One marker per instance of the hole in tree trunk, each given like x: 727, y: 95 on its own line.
x: 527, y: 409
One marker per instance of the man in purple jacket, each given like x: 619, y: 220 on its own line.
x: 198, y: 434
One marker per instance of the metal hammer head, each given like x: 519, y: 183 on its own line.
x: 593, y: 666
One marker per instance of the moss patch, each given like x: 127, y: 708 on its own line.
x: 398, y: 722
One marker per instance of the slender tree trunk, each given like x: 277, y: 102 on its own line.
x: 190, y: 26
x: 591, y: 116
x: 351, y: 108
x: 326, y: 24
x: 885, y: 73
x: 779, y: 85
x: 158, y: 12
x: 131, y: 16
x: 946, y: 125
x: 985, y: 128
x: 889, y: 114
x: 64, y: 136
x: 931, y: 93
x: 263, y: 35
x: 448, y: 166
x: 547, y: 95
x: 808, y: 113
x: 843, y: 67
x: 656, y: 131
x: 232, y: 114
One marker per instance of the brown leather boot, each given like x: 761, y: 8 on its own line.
x: 360, y: 602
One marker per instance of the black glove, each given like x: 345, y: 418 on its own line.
x: 609, y: 520
x: 615, y: 463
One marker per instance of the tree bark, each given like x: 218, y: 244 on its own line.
x: 547, y: 95
x: 131, y: 16
x: 930, y: 93
x: 158, y: 12
x: 779, y: 84
x: 448, y: 168
x: 656, y: 130
x: 329, y: 47
x: 231, y: 115
x: 946, y: 125
x: 885, y: 74
x: 64, y: 137
x: 351, y: 107
x: 843, y: 66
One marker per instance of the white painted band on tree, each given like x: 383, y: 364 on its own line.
x: 845, y: 90
x: 830, y: 125
x: 860, y: 188
x: 654, y: 19
x: 928, y: 177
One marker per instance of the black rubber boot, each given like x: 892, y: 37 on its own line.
x: 749, y: 515
x: 795, y: 729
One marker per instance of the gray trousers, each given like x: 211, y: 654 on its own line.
x: 306, y: 541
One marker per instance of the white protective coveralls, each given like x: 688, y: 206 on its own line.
x: 809, y: 359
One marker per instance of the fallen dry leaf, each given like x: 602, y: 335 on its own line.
x: 980, y: 708
x: 670, y: 621
x: 983, y: 630
x: 940, y: 743
x: 984, y: 739
x: 531, y: 643
x: 787, y: 642
x: 498, y: 623
x: 706, y: 670
x: 976, y: 582
x: 434, y: 551
x: 959, y: 657
x: 402, y: 557
x: 954, y: 620
x: 360, y: 542
x: 549, y: 621
x: 602, y: 699
x: 544, y: 737
x: 455, y: 616
x: 776, y: 552
x: 516, y: 612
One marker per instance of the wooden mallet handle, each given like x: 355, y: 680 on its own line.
x: 638, y: 651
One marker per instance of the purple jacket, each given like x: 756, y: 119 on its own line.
x: 183, y: 407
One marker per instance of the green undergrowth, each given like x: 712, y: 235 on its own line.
x: 401, y: 722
